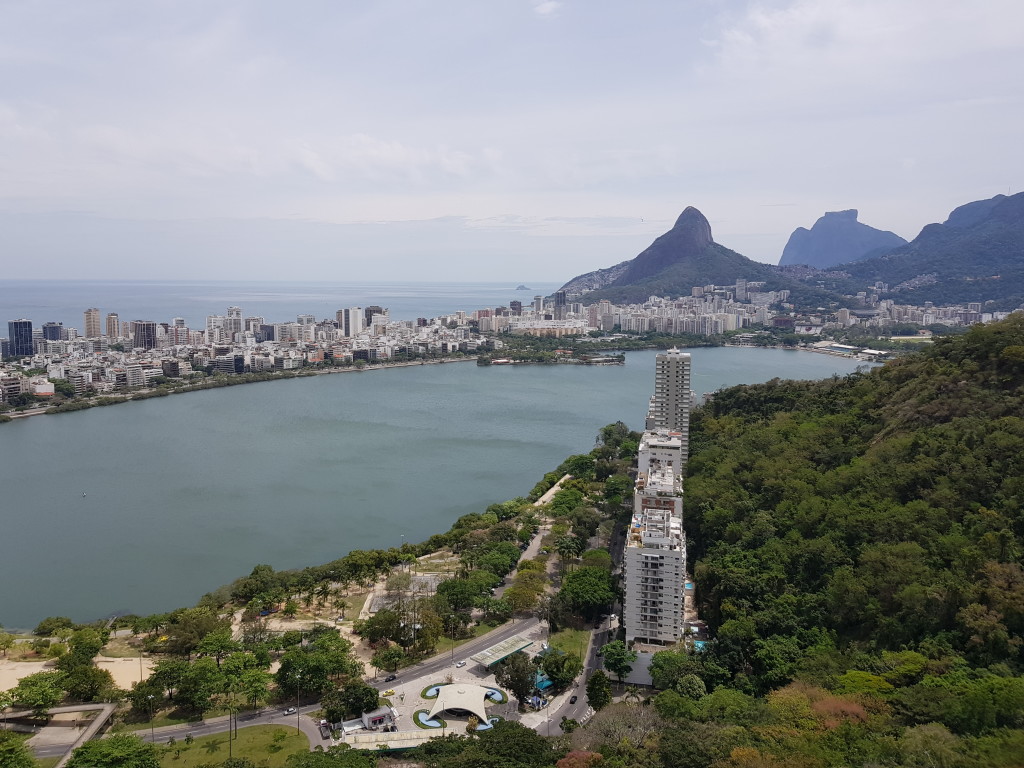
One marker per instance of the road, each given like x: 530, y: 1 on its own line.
x: 431, y: 669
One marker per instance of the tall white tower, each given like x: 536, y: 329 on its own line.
x: 672, y: 398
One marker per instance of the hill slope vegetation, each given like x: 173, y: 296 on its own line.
x: 857, y: 546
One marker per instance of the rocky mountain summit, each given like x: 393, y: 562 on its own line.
x: 683, y: 257
x: 837, y: 238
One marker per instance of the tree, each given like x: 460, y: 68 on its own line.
x: 618, y: 659
x: 40, y: 691
x: 6, y: 641
x: 517, y: 673
x: 121, y: 750
x: 388, y: 658
x: 13, y: 752
x: 145, y: 696
x: 692, y: 687
x: 254, y: 685
x: 520, y: 598
x: 87, y: 683
x: 340, y: 756
x: 561, y: 668
x: 48, y: 627
x: 358, y: 697
x: 218, y: 644
x: 599, y: 690
x: 513, y: 744
x: 199, y: 684
x: 587, y: 591
x: 189, y: 628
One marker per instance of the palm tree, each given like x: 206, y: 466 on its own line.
x: 567, y: 547
x: 341, y: 605
x: 633, y: 695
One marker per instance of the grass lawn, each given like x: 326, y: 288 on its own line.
x: 572, y: 641
x: 355, y: 605
x: 169, y: 717
x: 47, y: 762
x: 119, y: 648
x: 264, y: 745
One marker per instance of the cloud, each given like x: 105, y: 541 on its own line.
x: 546, y: 7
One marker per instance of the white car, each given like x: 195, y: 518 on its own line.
x: 290, y: 711
x: 460, y: 663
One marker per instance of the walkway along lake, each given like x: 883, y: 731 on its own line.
x: 186, y: 493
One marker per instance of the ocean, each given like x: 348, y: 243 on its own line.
x: 65, y: 301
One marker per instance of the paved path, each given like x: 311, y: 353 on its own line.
x: 43, y: 745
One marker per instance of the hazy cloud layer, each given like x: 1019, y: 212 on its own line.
x: 512, y: 139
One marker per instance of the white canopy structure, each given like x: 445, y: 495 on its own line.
x: 470, y: 698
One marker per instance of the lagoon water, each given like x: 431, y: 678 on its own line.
x: 185, y: 493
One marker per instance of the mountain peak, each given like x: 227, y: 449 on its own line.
x: 676, y: 261
x: 695, y: 224
x: 849, y: 214
x: 837, y: 238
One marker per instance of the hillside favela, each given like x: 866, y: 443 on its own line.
x: 376, y: 395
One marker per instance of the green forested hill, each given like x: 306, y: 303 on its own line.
x: 857, y: 546
x: 977, y: 255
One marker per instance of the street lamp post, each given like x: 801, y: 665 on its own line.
x: 298, y: 729
x: 152, y: 734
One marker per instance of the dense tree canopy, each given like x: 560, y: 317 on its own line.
x: 857, y: 546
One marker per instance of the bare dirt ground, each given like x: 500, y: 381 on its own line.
x: 124, y: 671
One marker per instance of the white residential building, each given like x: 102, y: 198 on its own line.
x: 672, y: 399
x: 654, y: 561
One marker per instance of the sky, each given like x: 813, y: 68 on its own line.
x: 502, y: 140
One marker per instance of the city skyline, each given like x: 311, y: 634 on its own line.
x: 524, y: 138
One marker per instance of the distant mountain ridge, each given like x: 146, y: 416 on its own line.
x: 976, y: 255
x: 683, y: 257
x: 837, y: 238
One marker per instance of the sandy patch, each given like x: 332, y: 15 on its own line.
x: 124, y: 671
x: 12, y: 671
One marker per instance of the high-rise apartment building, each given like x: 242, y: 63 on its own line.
x: 561, y: 309
x: 351, y: 321
x: 19, y: 333
x: 113, y: 325
x: 654, y: 560
x: 92, y: 323
x: 143, y: 334
x: 232, y: 323
x: 53, y: 331
x: 215, y: 329
x: 672, y: 399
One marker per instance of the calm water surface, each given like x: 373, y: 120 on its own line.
x: 185, y: 493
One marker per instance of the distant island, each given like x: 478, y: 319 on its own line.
x: 522, y: 287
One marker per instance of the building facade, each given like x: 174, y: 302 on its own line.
x: 143, y: 334
x: 672, y: 399
x: 92, y: 323
x: 654, y: 560
x: 19, y: 334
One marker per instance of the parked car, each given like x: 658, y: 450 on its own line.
x: 574, y: 699
x: 389, y: 678
x: 460, y: 663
